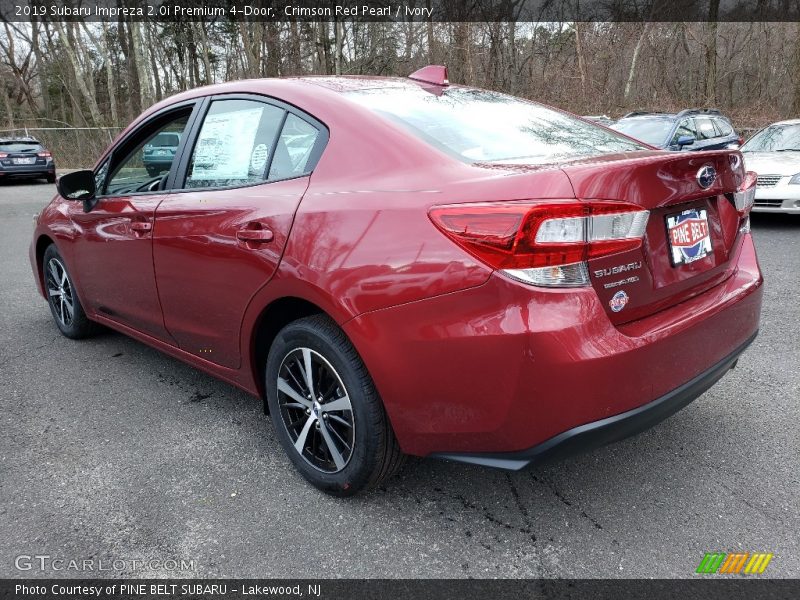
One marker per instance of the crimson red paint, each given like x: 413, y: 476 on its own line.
x: 381, y: 237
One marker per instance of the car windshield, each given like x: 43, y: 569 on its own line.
x: 775, y: 138
x: 20, y: 147
x: 482, y: 126
x: 653, y: 131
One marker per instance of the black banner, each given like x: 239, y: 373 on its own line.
x: 401, y: 10
x: 397, y: 589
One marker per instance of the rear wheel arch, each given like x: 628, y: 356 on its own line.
x: 274, y: 317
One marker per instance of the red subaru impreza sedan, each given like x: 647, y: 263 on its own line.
x: 403, y: 266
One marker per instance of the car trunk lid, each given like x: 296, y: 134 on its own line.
x: 691, y: 234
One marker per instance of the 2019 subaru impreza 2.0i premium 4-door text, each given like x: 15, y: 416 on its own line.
x: 402, y: 266
x: 25, y: 158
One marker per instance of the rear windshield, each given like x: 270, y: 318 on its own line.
x: 775, y: 138
x: 20, y: 146
x: 651, y: 131
x: 165, y: 140
x: 482, y: 126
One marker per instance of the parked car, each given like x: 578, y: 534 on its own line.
x: 158, y: 153
x: 25, y: 157
x: 774, y: 153
x: 693, y: 129
x: 403, y: 266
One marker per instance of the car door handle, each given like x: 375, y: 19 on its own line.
x: 141, y: 226
x: 258, y: 236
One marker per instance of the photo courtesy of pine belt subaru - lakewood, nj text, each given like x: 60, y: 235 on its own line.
x: 408, y: 267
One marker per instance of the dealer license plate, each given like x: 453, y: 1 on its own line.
x: 689, y: 237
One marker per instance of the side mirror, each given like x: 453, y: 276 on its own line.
x: 78, y: 185
x: 685, y: 140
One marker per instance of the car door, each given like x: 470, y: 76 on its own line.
x: 114, y: 250
x: 219, y: 239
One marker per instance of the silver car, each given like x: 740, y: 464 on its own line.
x: 774, y: 153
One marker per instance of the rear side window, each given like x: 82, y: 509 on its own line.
x: 705, y: 129
x: 234, y: 144
x: 723, y: 126
x: 482, y: 126
x: 293, y: 149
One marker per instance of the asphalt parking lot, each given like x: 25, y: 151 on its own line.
x: 110, y: 450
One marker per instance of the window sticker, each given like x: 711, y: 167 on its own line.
x: 223, y: 149
x: 258, y: 159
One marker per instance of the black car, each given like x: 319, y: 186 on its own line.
x: 693, y: 129
x: 25, y: 157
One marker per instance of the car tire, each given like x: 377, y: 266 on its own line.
x: 51, y: 178
x: 358, y: 432
x: 152, y: 171
x: 61, y: 294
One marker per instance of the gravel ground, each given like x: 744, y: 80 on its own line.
x: 110, y: 450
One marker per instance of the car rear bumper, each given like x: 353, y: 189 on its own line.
x: 27, y: 171
x: 606, y: 431
x: 504, y: 367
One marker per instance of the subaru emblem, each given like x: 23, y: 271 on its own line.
x: 706, y: 176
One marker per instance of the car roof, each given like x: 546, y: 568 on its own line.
x: 689, y: 112
x: 18, y: 140
x: 786, y: 122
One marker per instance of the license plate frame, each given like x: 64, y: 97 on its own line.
x: 25, y: 161
x: 688, y: 236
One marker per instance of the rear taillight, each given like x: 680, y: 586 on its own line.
x: 543, y: 243
x: 744, y: 197
x: 44, y: 154
x: 3, y: 155
x: 741, y: 140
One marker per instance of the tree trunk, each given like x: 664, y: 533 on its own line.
x: 151, y: 51
x: 581, y: 63
x: 339, y: 41
x: 711, y: 54
x: 273, y: 50
x: 141, y: 64
x: 635, y: 60
x: 200, y: 33
x: 105, y: 51
x: 796, y: 98
x: 80, y: 77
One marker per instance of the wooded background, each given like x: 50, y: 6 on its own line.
x: 104, y: 74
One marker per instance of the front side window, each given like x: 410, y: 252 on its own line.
x: 685, y: 128
x: 234, y: 144
x: 482, y: 126
x: 144, y: 163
